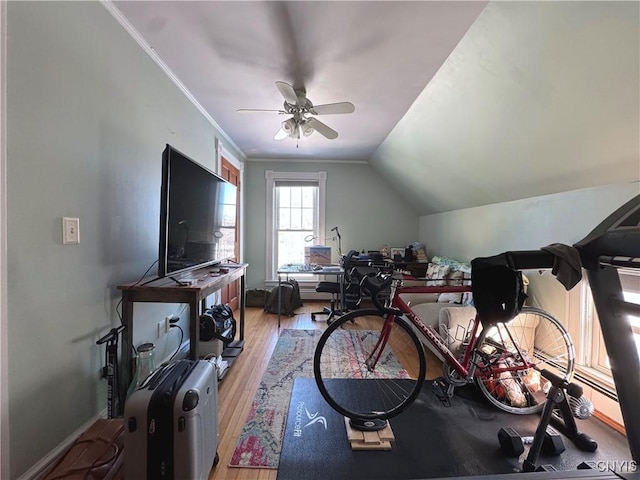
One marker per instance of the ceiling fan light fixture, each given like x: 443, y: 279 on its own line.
x: 300, y: 107
x: 289, y: 126
x: 306, y: 129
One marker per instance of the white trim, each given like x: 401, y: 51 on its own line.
x: 140, y: 40
x: 4, y: 393
x: 271, y: 177
x: 307, y: 160
x: 231, y: 158
x: 217, y: 148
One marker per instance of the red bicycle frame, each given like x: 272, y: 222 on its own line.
x: 462, y: 368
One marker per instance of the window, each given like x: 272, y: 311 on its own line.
x: 295, y: 212
x: 594, y: 353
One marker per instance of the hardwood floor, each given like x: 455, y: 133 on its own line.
x: 238, y: 388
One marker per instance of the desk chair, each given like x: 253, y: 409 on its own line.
x: 334, y: 289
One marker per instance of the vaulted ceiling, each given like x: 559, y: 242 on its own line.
x: 457, y: 104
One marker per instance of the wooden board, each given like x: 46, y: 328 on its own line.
x: 361, y: 440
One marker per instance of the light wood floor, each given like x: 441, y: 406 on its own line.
x: 238, y: 388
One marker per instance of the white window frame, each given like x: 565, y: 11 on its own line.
x: 272, y: 177
x: 592, y: 353
x: 584, y: 329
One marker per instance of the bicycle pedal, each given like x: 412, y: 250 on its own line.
x: 450, y: 390
x: 441, y: 390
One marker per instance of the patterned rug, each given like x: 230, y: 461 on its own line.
x: 260, y: 441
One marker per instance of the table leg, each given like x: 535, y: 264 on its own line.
x: 242, y: 306
x: 279, y: 298
x: 194, y: 329
x: 126, y: 372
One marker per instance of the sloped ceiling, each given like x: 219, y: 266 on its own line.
x: 377, y: 55
x: 458, y: 104
x: 538, y: 98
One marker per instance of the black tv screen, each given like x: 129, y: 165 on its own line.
x: 197, y: 215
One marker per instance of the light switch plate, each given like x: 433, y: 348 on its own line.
x: 70, y: 230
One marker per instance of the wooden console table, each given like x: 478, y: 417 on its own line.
x: 166, y: 290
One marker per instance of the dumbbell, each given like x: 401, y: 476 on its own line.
x: 512, y: 444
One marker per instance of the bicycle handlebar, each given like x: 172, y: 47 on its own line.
x: 373, y: 280
x: 529, y: 259
x: 374, y: 288
x: 517, y: 260
x: 521, y: 259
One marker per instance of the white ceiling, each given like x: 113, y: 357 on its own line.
x: 504, y: 100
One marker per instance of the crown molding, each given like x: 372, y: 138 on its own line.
x: 306, y: 160
x: 140, y: 40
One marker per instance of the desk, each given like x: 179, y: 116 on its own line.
x: 165, y: 290
x: 295, y: 268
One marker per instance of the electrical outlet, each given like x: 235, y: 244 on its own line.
x: 167, y: 323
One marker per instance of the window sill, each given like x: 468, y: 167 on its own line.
x: 597, y: 380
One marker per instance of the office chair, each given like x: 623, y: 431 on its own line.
x: 334, y: 289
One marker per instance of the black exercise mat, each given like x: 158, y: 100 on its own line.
x: 431, y: 440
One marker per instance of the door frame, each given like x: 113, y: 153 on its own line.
x: 221, y: 153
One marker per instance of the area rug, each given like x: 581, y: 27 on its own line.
x: 260, y: 441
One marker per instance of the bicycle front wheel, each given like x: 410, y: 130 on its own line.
x: 512, y: 354
x: 363, y: 376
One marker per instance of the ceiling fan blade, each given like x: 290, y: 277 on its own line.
x: 331, y: 108
x: 287, y: 92
x: 258, y: 110
x: 322, y: 128
x: 281, y: 135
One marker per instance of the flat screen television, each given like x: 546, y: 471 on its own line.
x: 197, y: 215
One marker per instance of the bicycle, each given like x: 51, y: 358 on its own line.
x: 379, y: 347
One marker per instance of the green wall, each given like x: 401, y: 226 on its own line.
x: 358, y: 200
x: 88, y: 116
x: 526, y: 224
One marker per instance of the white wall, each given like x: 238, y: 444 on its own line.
x: 88, y: 116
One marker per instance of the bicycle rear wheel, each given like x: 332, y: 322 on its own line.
x: 358, y: 387
x: 505, y: 372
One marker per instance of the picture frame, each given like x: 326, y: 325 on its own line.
x: 393, y: 251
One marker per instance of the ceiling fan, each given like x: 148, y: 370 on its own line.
x: 300, y: 108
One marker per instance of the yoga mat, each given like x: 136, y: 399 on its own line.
x: 432, y: 440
